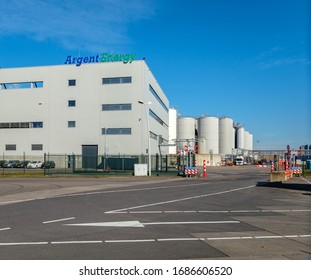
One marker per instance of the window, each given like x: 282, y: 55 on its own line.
x: 117, y: 80
x: 117, y: 131
x: 37, y: 124
x: 71, y: 123
x: 158, y: 98
x: 10, y: 147
x: 153, y: 135
x: 22, y: 85
x: 156, y: 117
x: 71, y: 103
x: 71, y: 83
x: 21, y: 125
x: 36, y: 147
x: 116, y: 107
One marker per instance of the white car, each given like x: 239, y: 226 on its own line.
x: 34, y: 164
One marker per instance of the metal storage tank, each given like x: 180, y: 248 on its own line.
x: 208, y: 131
x: 246, y: 140
x: 251, y: 141
x: 185, y: 130
x: 240, y: 137
x: 172, y: 131
x: 226, y: 136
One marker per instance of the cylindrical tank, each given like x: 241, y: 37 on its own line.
x: 226, y: 132
x: 246, y: 140
x: 240, y: 137
x: 185, y: 130
x: 172, y: 133
x: 208, y: 135
x: 251, y: 141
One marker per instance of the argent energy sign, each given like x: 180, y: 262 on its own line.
x: 104, y: 57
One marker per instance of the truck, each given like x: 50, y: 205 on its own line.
x: 239, y: 160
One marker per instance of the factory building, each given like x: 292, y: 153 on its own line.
x: 89, y: 109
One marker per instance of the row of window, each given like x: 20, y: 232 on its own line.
x: 71, y: 82
x: 154, y: 93
x: 34, y: 147
x: 21, y: 85
x: 21, y: 125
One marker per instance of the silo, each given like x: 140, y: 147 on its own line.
x: 246, y: 140
x: 226, y: 136
x: 172, y: 130
x: 208, y: 135
x: 185, y: 130
x: 251, y: 141
x: 240, y: 137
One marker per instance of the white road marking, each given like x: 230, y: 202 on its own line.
x: 130, y: 241
x: 23, y: 243
x: 2, y: 229
x: 209, y: 211
x: 77, y: 242
x: 110, y: 224
x: 306, y: 180
x: 181, y: 199
x: 181, y: 239
x: 59, y: 220
x: 139, y: 224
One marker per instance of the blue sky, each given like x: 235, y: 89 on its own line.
x: 248, y: 60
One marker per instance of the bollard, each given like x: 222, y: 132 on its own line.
x: 204, y: 168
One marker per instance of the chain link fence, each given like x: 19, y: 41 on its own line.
x: 49, y: 164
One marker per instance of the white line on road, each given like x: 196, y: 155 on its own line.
x: 77, y: 242
x: 181, y: 199
x: 209, y: 211
x: 139, y: 224
x: 130, y: 241
x: 2, y: 229
x: 220, y: 238
x: 306, y: 180
x: 59, y: 220
x: 23, y: 243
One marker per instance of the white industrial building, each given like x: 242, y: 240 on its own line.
x: 91, y: 109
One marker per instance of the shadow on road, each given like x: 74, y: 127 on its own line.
x: 287, y: 185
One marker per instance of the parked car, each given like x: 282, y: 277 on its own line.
x: 34, y: 164
x: 48, y: 164
x: 2, y: 162
x: 11, y: 164
x: 22, y: 164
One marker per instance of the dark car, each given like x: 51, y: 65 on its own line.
x: 2, y: 162
x: 11, y: 163
x: 48, y: 164
x: 22, y: 164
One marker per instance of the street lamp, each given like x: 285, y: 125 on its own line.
x: 148, y: 134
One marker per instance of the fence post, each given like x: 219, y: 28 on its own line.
x: 44, y: 160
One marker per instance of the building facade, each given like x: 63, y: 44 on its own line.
x: 95, y: 108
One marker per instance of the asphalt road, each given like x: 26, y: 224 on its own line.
x: 232, y: 214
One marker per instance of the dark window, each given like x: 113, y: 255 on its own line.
x: 36, y: 147
x: 116, y: 131
x: 37, y: 124
x: 158, y: 98
x: 10, y: 147
x: 116, y: 107
x: 71, y: 83
x: 156, y: 117
x: 71, y: 103
x: 71, y: 123
x: 117, y: 80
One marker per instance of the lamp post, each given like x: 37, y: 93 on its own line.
x: 148, y: 134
